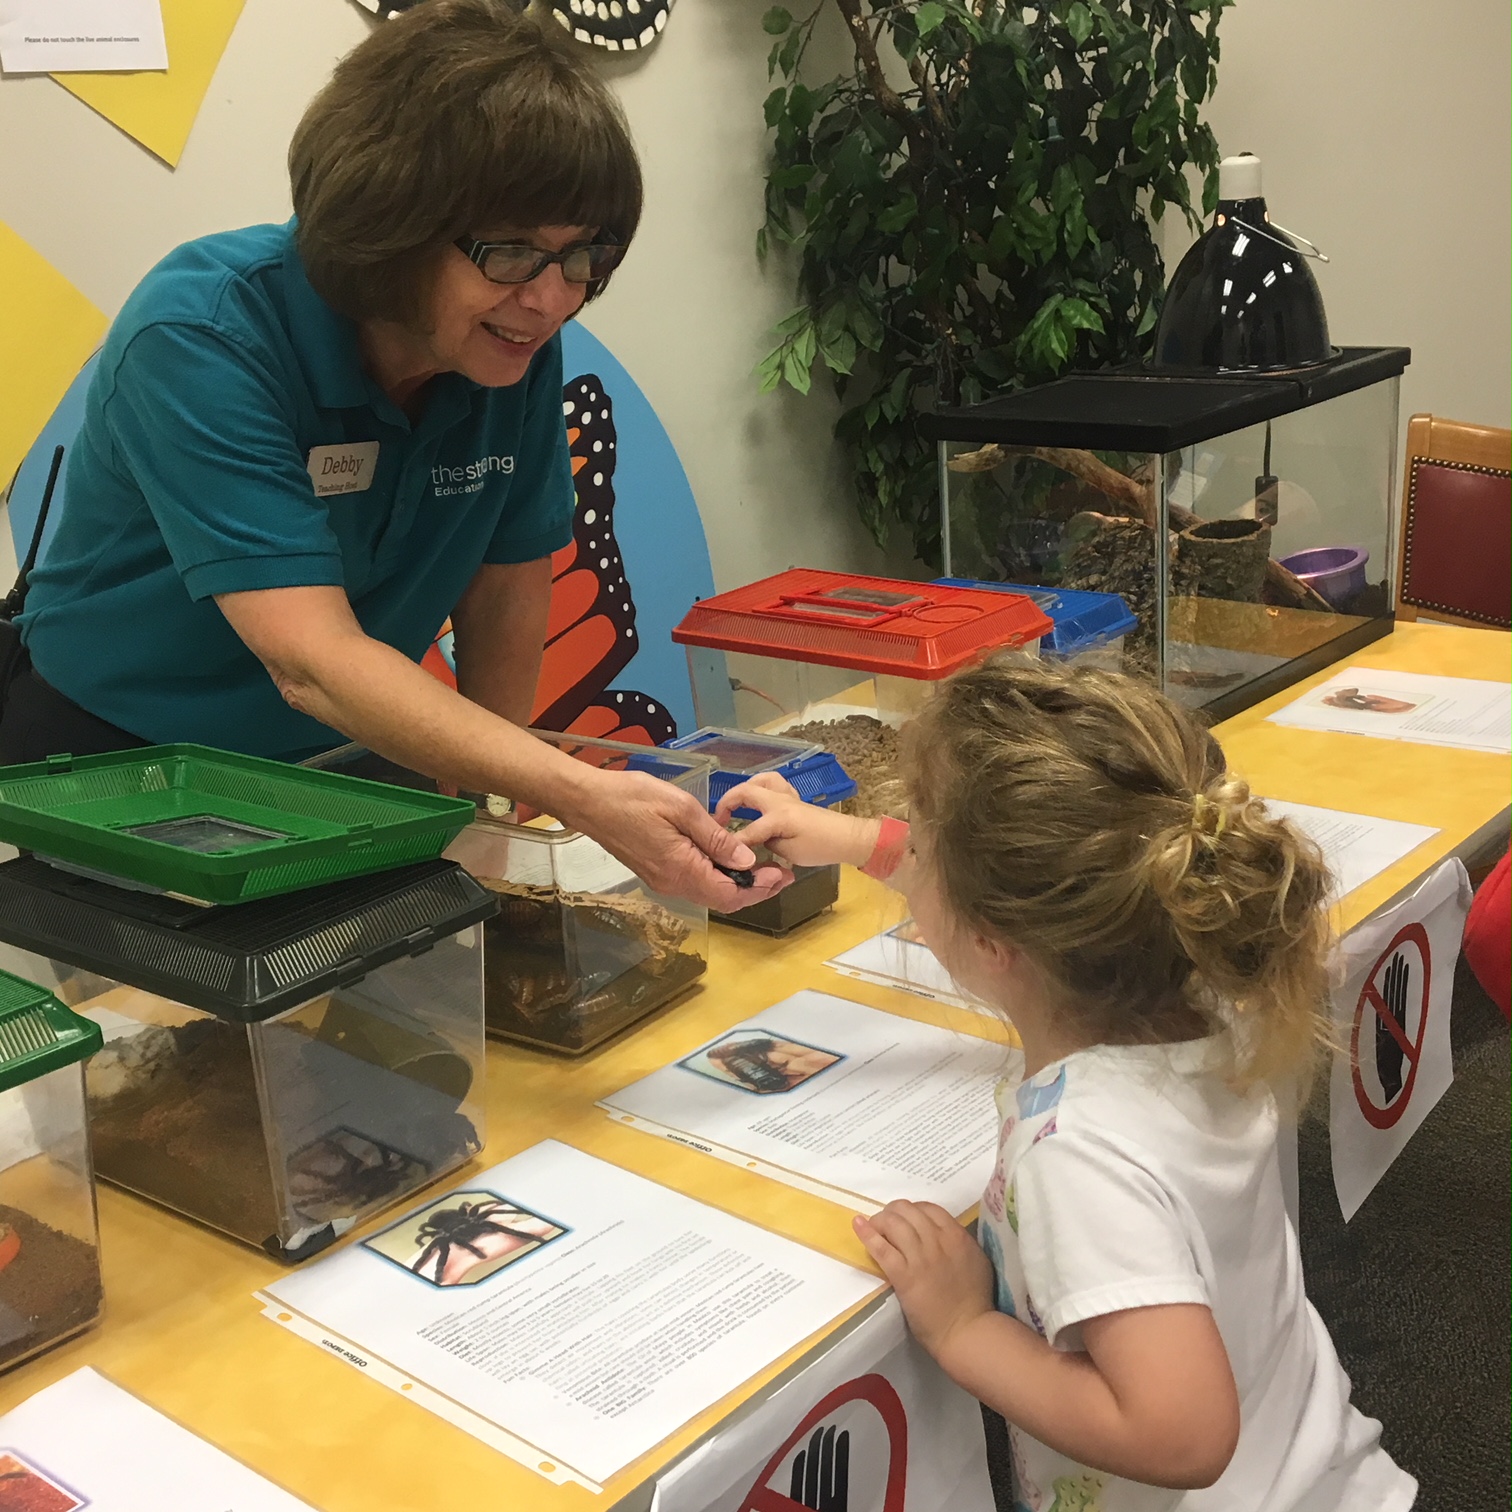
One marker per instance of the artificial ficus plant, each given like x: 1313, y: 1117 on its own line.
x: 972, y: 206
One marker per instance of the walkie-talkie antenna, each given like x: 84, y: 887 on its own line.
x: 15, y: 600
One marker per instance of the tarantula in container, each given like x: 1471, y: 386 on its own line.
x: 459, y: 1240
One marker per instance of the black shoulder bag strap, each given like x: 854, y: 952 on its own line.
x: 11, y: 649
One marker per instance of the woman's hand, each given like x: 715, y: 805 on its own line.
x: 667, y: 838
x: 802, y: 834
x: 942, y: 1278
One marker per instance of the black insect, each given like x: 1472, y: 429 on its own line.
x: 461, y: 1227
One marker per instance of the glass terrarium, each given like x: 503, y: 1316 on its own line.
x: 280, y: 1069
x: 842, y: 661
x: 49, y: 1235
x: 1247, y: 521
x: 581, y: 947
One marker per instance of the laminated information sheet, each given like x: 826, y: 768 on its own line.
x: 1357, y: 847
x: 569, y: 1313
x: 1451, y: 711
x: 83, y: 1442
x: 898, y: 957
x: 839, y: 1099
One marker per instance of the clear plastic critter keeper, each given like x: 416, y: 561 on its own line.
x: 1247, y: 520
x: 581, y: 947
x: 842, y: 661
x: 49, y: 1236
x: 280, y: 1069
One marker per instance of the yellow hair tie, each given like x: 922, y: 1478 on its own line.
x: 1204, y: 811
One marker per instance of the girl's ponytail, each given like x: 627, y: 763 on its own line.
x: 1247, y: 897
x: 1090, y: 821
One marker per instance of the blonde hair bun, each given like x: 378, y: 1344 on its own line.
x: 1092, y: 822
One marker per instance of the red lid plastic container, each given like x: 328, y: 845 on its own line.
x: 886, y: 626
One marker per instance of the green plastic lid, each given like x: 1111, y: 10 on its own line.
x: 38, y: 1034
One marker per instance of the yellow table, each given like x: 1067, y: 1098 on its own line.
x: 1463, y: 793
x: 183, y: 1332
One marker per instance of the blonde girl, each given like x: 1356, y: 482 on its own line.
x: 1081, y: 860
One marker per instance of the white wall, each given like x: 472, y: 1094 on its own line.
x: 1383, y: 124
x: 687, y: 315
x: 1383, y: 127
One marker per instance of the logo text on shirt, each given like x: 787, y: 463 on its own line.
x: 470, y: 478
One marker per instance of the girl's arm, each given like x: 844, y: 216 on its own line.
x: 1152, y: 1399
x: 802, y: 834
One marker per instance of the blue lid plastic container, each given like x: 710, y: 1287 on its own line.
x: 1084, y: 622
x: 811, y: 769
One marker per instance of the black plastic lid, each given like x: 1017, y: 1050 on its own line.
x: 246, y: 961
x: 1137, y: 409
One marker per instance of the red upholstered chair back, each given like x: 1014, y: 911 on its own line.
x: 1456, y: 556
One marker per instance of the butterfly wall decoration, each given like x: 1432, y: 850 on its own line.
x: 590, y: 633
x: 615, y: 25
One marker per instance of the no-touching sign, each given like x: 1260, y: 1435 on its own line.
x: 1392, y: 1018
x: 1390, y: 1026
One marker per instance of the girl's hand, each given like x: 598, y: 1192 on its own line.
x: 943, y: 1279
x: 668, y: 839
x: 798, y: 833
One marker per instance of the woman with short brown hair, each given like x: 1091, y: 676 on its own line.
x: 306, y: 445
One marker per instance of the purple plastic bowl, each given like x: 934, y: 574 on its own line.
x: 1337, y: 573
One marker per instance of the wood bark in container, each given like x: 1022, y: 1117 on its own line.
x: 565, y: 970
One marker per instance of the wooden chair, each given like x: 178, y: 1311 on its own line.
x: 1455, y: 561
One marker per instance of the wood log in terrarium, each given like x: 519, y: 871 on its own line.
x: 1134, y: 498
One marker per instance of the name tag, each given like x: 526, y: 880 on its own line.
x: 343, y: 469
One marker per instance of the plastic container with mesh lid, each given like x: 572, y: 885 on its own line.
x: 582, y: 948
x: 1089, y: 627
x: 280, y: 1069
x: 802, y: 645
x: 49, y: 1236
x: 217, y: 826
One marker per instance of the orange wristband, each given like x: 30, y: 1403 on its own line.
x: 887, y: 853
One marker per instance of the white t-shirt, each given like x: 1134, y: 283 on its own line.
x: 1131, y: 1176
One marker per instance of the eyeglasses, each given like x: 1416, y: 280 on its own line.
x: 518, y: 262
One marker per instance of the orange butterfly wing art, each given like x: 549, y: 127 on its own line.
x: 590, y: 631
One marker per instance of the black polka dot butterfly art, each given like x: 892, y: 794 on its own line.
x: 591, y: 637
x: 614, y: 25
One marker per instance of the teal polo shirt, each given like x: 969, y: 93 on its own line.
x: 229, y: 403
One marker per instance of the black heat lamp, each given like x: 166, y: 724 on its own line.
x: 1243, y: 299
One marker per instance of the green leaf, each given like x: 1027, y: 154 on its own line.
x: 792, y: 177
x: 898, y: 216
x: 1077, y: 314
x: 788, y: 51
x: 1079, y: 22
x: 797, y: 374
x: 776, y: 21
x: 929, y: 17
x: 769, y: 370
x: 839, y: 352
x: 867, y: 328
